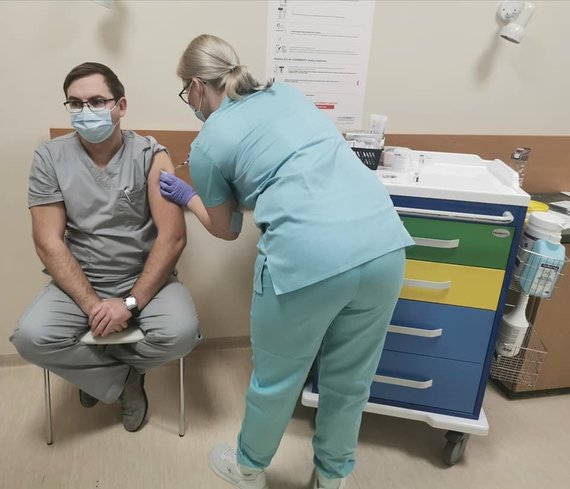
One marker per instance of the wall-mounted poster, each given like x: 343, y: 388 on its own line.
x: 322, y: 48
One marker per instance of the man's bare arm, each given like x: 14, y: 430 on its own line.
x: 171, y: 240
x: 48, y: 228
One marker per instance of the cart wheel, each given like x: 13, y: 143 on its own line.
x: 455, y: 446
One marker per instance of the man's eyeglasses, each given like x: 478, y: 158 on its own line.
x: 185, y: 91
x: 95, y: 104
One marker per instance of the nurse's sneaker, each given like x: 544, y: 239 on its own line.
x: 223, y: 461
x: 324, y: 483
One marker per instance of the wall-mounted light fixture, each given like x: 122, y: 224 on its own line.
x: 515, y: 14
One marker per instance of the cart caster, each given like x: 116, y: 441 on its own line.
x: 455, y: 446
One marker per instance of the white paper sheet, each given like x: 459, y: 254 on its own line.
x: 322, y: 48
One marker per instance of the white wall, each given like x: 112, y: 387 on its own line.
x: 435, y: 67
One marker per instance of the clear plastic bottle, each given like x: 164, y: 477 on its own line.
x: 542, y: 268
x: 540, y: 226
x: 518, y: 162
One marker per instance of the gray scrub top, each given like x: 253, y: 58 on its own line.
x: 109, y: 227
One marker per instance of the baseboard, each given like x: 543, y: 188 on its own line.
x: 224, y: 343
x: 528, y: 394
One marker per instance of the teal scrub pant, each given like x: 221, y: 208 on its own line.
x: 343, y: 320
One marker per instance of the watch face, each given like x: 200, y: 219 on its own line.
x: 130, y: 302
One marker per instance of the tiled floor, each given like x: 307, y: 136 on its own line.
x: 528, y: 446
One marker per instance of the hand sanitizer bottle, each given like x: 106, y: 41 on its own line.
x: 541, y: 226
x: 542, y: 268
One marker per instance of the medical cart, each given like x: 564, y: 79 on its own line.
x: 466, y: 216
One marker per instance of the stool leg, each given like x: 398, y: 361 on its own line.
x: 47, y: 395
x: 182, y: 426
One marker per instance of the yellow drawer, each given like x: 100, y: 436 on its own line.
x: 458, y: 285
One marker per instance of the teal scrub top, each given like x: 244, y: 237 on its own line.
x: 320, y: 210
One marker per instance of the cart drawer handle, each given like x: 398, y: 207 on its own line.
x: 506, y: 218
x: 436, y: 243
x: 427, y: 284
x: 412, y: 384
x: 424, y: 333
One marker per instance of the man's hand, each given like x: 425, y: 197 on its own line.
x: 108, y: 316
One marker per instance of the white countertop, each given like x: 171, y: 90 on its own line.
x: 456, y: 176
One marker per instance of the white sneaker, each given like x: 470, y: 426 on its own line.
x: 224, y: 463
x: 324, y: 483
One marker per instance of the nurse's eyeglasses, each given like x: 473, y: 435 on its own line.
x: 185, y: 91
x: 95, y: 104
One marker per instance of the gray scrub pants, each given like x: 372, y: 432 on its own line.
x: 48, y: 335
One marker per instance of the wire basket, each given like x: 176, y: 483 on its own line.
x: 370, y: 157
x: 536, y: 274
x: 523, y: 368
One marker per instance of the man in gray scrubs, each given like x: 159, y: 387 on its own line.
x: 110, y: 243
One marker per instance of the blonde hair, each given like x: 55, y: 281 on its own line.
x: 215, y: 61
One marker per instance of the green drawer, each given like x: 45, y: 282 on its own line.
x: 461, y: 243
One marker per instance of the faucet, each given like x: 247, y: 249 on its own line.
x: 419, y: 169
x: 518, y: 162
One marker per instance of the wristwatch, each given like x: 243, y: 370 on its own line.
x: 131, y: 304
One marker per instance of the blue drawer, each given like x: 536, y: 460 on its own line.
x: 439, y: 330
x: 428, y: 382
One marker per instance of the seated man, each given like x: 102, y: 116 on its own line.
x: 110, y: 243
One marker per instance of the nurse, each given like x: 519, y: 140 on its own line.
x: 330, y: 262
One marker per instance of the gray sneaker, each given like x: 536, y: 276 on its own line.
x: 134, y: 403
x: 87, y: 400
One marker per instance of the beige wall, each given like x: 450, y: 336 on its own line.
x: 435, y: 67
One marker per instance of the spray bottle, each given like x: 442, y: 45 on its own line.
x: 513, y: 329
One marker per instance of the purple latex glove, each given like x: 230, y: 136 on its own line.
x: 175, y: 189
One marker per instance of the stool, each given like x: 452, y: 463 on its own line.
x: 129, y: 335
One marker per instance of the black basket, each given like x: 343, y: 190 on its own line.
x: 370, y: 157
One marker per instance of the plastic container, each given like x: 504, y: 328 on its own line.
x: 542, y: 268
x: 377, y: 124
x: 370, y: 157
x: 399, y: 159
x: 513, y: 329
x: 536, y: 206
x: 540, y: 226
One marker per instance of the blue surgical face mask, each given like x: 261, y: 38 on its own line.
x: 94, y: 127
x: 198, y: 112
